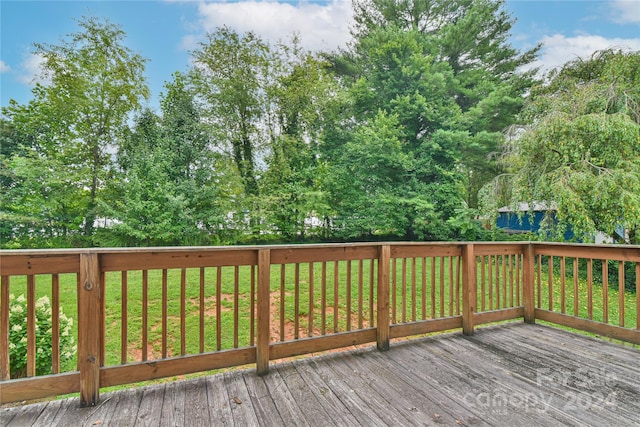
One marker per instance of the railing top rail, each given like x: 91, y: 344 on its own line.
x: 186, y: 249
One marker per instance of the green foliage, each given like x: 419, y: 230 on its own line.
x: 43, y: 338
x: 388, y: 138
x: 67, y: 130
x: 582, y: 148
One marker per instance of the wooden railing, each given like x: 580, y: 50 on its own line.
x: 143, y: 314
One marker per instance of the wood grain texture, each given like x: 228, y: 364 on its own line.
x: 503, y: 375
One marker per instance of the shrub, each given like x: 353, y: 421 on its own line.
x: 44, y: 340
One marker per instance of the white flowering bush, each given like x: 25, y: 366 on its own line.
x: 44, y: 340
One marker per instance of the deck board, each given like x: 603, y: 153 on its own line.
x: 509, y: 374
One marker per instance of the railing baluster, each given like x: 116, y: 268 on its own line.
x: 145, y: 305
x: 404, y: 290
x: 253, y: 307
x: 201, y: 341
x: 511, y: 296
x: 424, y: 288
x: 218, y: 308
x: 605, y: 291
x: 236, y: 306
x: 504, y: 282
x: 31, y: 325
x: 518, y: 287
x: 312, y: 299
x: 323, y: 297
x: 563, y: 293
x: 296, y: 302
x: 282, y: 300
x: 590, y: 288
x: 4, y: 328
x: 413, y: 289
x: 637, y: 295
x: 348, y: 295
x: 55, y: 324
x: 165, y: 299
x: 336, y: 282
x: 183, y: 314
x: 451, y: 289
x: 497, y: 259
x: 482, y: 284
x: 490, y: 276
x: 621, y: 292
x: 550, y: 281
x: 458, y: 282
x: 433, y: 287
x: 539, y: 280
x: 575, y: 287
x: 124, y: 318
x: 394, y: 292
x: 372, y: 317
x: 441, y: 286
x: 360, y: 296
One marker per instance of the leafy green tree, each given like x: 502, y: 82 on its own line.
x: 230, y: 74
x: 580, y: 148
x: 95, y: 84
x: 439, y: 66
x: 292, y: 185
x: 367, y: 182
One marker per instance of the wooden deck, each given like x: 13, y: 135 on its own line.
x: 512, y: 374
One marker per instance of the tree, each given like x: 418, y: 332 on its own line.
x: 440, y: 65
x: 230, y: 74
x: 580, y: 146
x: 292, y: 185
x: 95, y: 84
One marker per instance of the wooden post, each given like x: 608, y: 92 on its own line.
x: 469, y: 288
x: 528, y: 285
x: 89, y: 329
x: 384, y: 257
x: 264, y: 316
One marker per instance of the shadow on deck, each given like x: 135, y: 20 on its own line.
x: 513, y: 374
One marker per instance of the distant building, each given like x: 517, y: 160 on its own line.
x: 525, y: 219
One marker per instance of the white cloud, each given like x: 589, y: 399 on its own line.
x: 321, y: 26
x: 558, y: 49
x: 32, y: 70
x: 625, y: 11
x: 4, y: 68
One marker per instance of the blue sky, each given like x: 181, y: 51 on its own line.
x: 165, y: 31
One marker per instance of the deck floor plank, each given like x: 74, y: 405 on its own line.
x: 21, y: 416
x: 578, y: 384
x: 509, y: 374
x: 266, y: 411
x: 150, y: 412
x: 368, y: 391
x: 349, y: 397
x: 340, y: 413
x: 283, y: 399
x: 219, y: 405
x: 239, y: 400
x: 306, y: 400
x: 102, y: 413
x: 196, y: 402
x: 173, y: 407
